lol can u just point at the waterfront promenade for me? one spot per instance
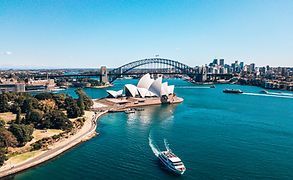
(85, 133)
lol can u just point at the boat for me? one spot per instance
(129, 111)
(264, 92)
(213, 86)
(138, 109)
(172, 162)
(233, 91)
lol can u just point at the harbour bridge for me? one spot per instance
(143, 66)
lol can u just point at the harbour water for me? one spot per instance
(217, 135)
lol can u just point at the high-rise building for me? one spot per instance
(215, 62)
(252, 67)
(262, 71)
(241, 65)
(222, 62)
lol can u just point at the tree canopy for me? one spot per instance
(7, 139)
(56, 120)
(23, 133)
(4, 106)
(84, 99)
(73, 111)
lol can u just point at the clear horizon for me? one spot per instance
(88, 34)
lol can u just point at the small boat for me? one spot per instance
(213, 86)
(129, 111)
(138, 109)
(233, 91)
(172, 162)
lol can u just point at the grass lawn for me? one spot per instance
(22, 157)
(39, 134)
(8, 116)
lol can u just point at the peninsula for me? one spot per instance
(37, 128)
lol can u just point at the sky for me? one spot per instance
(91, 33)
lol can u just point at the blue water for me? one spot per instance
(217, 135)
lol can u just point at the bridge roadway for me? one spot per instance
(122, 74)
(160, 65)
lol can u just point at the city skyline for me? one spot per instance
(50, 34)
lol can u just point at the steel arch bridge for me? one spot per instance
(178, 66)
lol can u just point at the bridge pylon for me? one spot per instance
(104, 75)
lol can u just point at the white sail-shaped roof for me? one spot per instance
(156, 87)
(164, 89)
(142, 92)
(171, 89)
(150, 94)
(130, 90)
(145, 81)
(115, 94)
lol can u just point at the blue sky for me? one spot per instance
(91, 33)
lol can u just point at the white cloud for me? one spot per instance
(6, 53)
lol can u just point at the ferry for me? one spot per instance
(172, 162)
(233, 91)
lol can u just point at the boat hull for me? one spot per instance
(169, 167)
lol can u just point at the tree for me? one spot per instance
(87, 101)
(28, 104)
(12, 96)
(44, 96)
(18, 118)
(60, 100)
(23, 133)
(47, 105)
(3, 157)
(7, 139)
(73, 111)
(2, 123)
(57, 120)
(80, 104)
(34, 116)
(4, 106)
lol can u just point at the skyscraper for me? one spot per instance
(241, 65)
(251, 67)
(215, 62)
(222, 62)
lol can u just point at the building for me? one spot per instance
(146, 87)
(222, 62)
(241, 65)
(30, 85)
(40, 85)
(252, 67)
(114, 94)
(16, 87)
(215, 62)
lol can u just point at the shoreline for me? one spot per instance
(84, 134)
(55, 151)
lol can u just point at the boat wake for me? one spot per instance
(167, 145)
(153, 146)
(270, 95)
(192, 87)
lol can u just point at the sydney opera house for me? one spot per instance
(146, 88)
(147, 92)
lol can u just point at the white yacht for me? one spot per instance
(172, 162)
